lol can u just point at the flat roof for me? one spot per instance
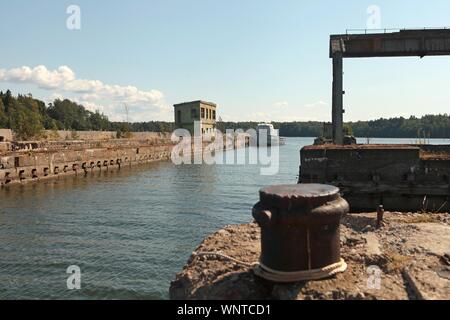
(196, 101)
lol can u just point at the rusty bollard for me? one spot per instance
(380, 214)
(300, 238)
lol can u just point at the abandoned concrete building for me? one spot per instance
(187, 113)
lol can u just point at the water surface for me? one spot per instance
(129, 231)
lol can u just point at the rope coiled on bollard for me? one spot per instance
(304, 275)
(282, 276)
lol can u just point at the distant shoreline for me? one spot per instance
(372, 138)
(28, 117)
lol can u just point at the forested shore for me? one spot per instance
(28, 116)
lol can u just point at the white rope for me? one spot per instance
(304, 275)
(265, 272)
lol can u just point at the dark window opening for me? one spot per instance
(7, 178)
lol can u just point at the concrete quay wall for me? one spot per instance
(401, 178)
(34, 166)
(39, 160)
(51, 135)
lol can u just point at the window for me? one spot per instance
(194, 114)
(214, 114)
(203, 113)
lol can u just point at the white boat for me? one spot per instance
(270, 132)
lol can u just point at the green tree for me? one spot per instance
(98, 122)
(348, 130)
(4, 121)
(26, 124)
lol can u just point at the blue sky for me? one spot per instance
(258, 60)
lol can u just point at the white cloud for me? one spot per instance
(262, 117)
(316, 104)
(53, 97)
(39, 75)
(281, 104)
(93, 94)
(279, 117)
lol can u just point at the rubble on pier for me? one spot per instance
(411, 250)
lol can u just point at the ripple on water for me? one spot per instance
(129, 231)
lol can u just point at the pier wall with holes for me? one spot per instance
(401, 178)
(23, 167)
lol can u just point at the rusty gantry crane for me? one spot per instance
(404, 43)
(399, 177)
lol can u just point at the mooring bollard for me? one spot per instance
(380, 214)
(300, 238)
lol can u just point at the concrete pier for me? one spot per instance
(399, 177)
(23, 167)
(412, 243)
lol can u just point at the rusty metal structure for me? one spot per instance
(300, 238)
(404, 43)
(398, 177)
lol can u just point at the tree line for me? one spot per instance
(428, 126)
(28, 117)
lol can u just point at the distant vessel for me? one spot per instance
(272, 136)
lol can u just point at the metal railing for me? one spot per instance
(390, 30)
